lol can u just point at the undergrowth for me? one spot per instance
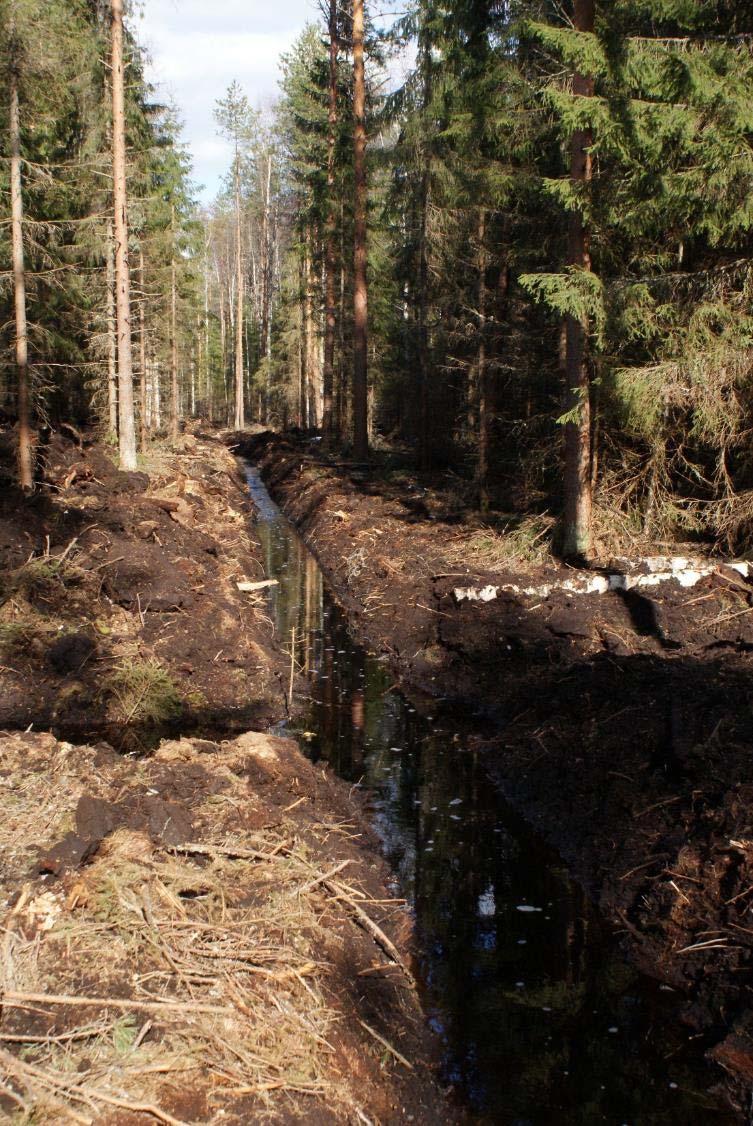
(527, 541)
(143, 692)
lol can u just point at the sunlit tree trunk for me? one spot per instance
(127, 428)
(207, 368)
(239, 418)
(266, 283)
(360, 281)
(174, 393)
(576, 537)
(312, 352)
(112, 337)
(330, 260)
(25, 470)
(144, 420)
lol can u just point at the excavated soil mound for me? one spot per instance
(201, 936)
(120, 613)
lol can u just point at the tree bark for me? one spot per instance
(330, 258)
(112, 338)
(174, 394)
(25, 470)
(425, 454)
(482, 468)
(240, 417)
(360, 279)
(127, 428)
(576, 530)
(144, 421)
(312, 356)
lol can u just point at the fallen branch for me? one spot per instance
(321, 879)
(368, 924)
(15, 999)
(217, 851)
(387, 1045)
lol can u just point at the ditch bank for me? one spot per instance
(200, 935)
(121, 615)
(619, 722)
(197, 926)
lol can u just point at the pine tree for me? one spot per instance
(360, 252)
(236, 121)
(126, 419)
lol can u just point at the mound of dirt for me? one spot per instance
(202, 934)
(120, 613)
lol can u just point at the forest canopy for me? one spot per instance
(527, 261)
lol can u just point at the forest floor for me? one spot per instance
(192, 928)
(620, 723)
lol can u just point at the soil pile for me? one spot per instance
(120, 612)
(621, 723)
(202, 933)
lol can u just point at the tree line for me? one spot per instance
(512, 237)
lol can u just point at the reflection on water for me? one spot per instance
(541, 1019)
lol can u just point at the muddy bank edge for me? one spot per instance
(620, 723)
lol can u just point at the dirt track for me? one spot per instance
(621, 724)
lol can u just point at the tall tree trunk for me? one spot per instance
(423, 340)
(174, 394)
(576, 530)
(127, 427)
(144, 420)
(240, 418)
(112, 337)
(223, 342)
(360, 280)
(25, 470)
(312, 357)
(207, 385)
(330, 257)
(482, 468)
(266, 293)
(157, 396)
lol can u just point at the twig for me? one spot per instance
(63, 1038)
(682, 876)
(295, 804)
(639, 868)
(633, 930)
(735, 898)
(710, 944)
(215, 851)
(370, 927)
(321, 879)
(387, 1045)
(10, 997)
(27, 1072)
(658, 805)
(680, 893)
(728, 617)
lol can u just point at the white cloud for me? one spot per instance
(197, 49)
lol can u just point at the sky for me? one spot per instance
(197, 48)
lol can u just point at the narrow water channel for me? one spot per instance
(540, 1019)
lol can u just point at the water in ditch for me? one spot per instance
(540, 1019)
